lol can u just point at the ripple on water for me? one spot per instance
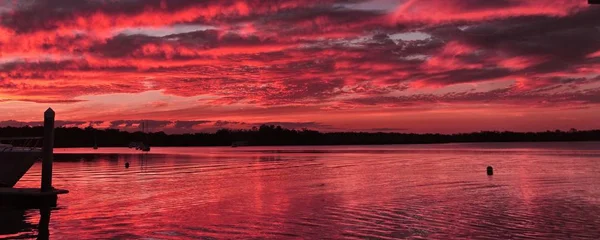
(350, 192)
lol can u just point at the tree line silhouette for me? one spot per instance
(269, 135)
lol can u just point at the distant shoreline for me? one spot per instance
(278, 136)
(337, 145)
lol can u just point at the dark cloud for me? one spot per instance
(122, 45)
(388, 129)
(563, 42)
(228, 123)
(301, 90)
(466, 75)
(49, 14)
(123, 123)
(188, 124)
(172, 127)
(295, 125)
(513, 95)
(37, 15)
(475, 5)
(58, 123)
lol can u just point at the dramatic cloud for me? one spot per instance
(335, 64)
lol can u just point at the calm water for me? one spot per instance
(539, 191)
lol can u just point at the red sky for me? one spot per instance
(381, 65)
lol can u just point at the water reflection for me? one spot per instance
(21, 223)
(182, 193)
(14, 222)
(43, 231)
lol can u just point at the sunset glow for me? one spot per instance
(331, 65)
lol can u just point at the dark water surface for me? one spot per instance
(539, 191)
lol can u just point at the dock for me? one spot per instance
(29, 197)
(46, 195)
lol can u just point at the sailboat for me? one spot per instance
(144, 146)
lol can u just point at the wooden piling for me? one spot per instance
(48, 150)
(34, 197)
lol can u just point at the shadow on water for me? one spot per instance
(16, 223)
(90, 157)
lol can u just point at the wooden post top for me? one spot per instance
(49, 113)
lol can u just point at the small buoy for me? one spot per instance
(126, 165)
(490, 170)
